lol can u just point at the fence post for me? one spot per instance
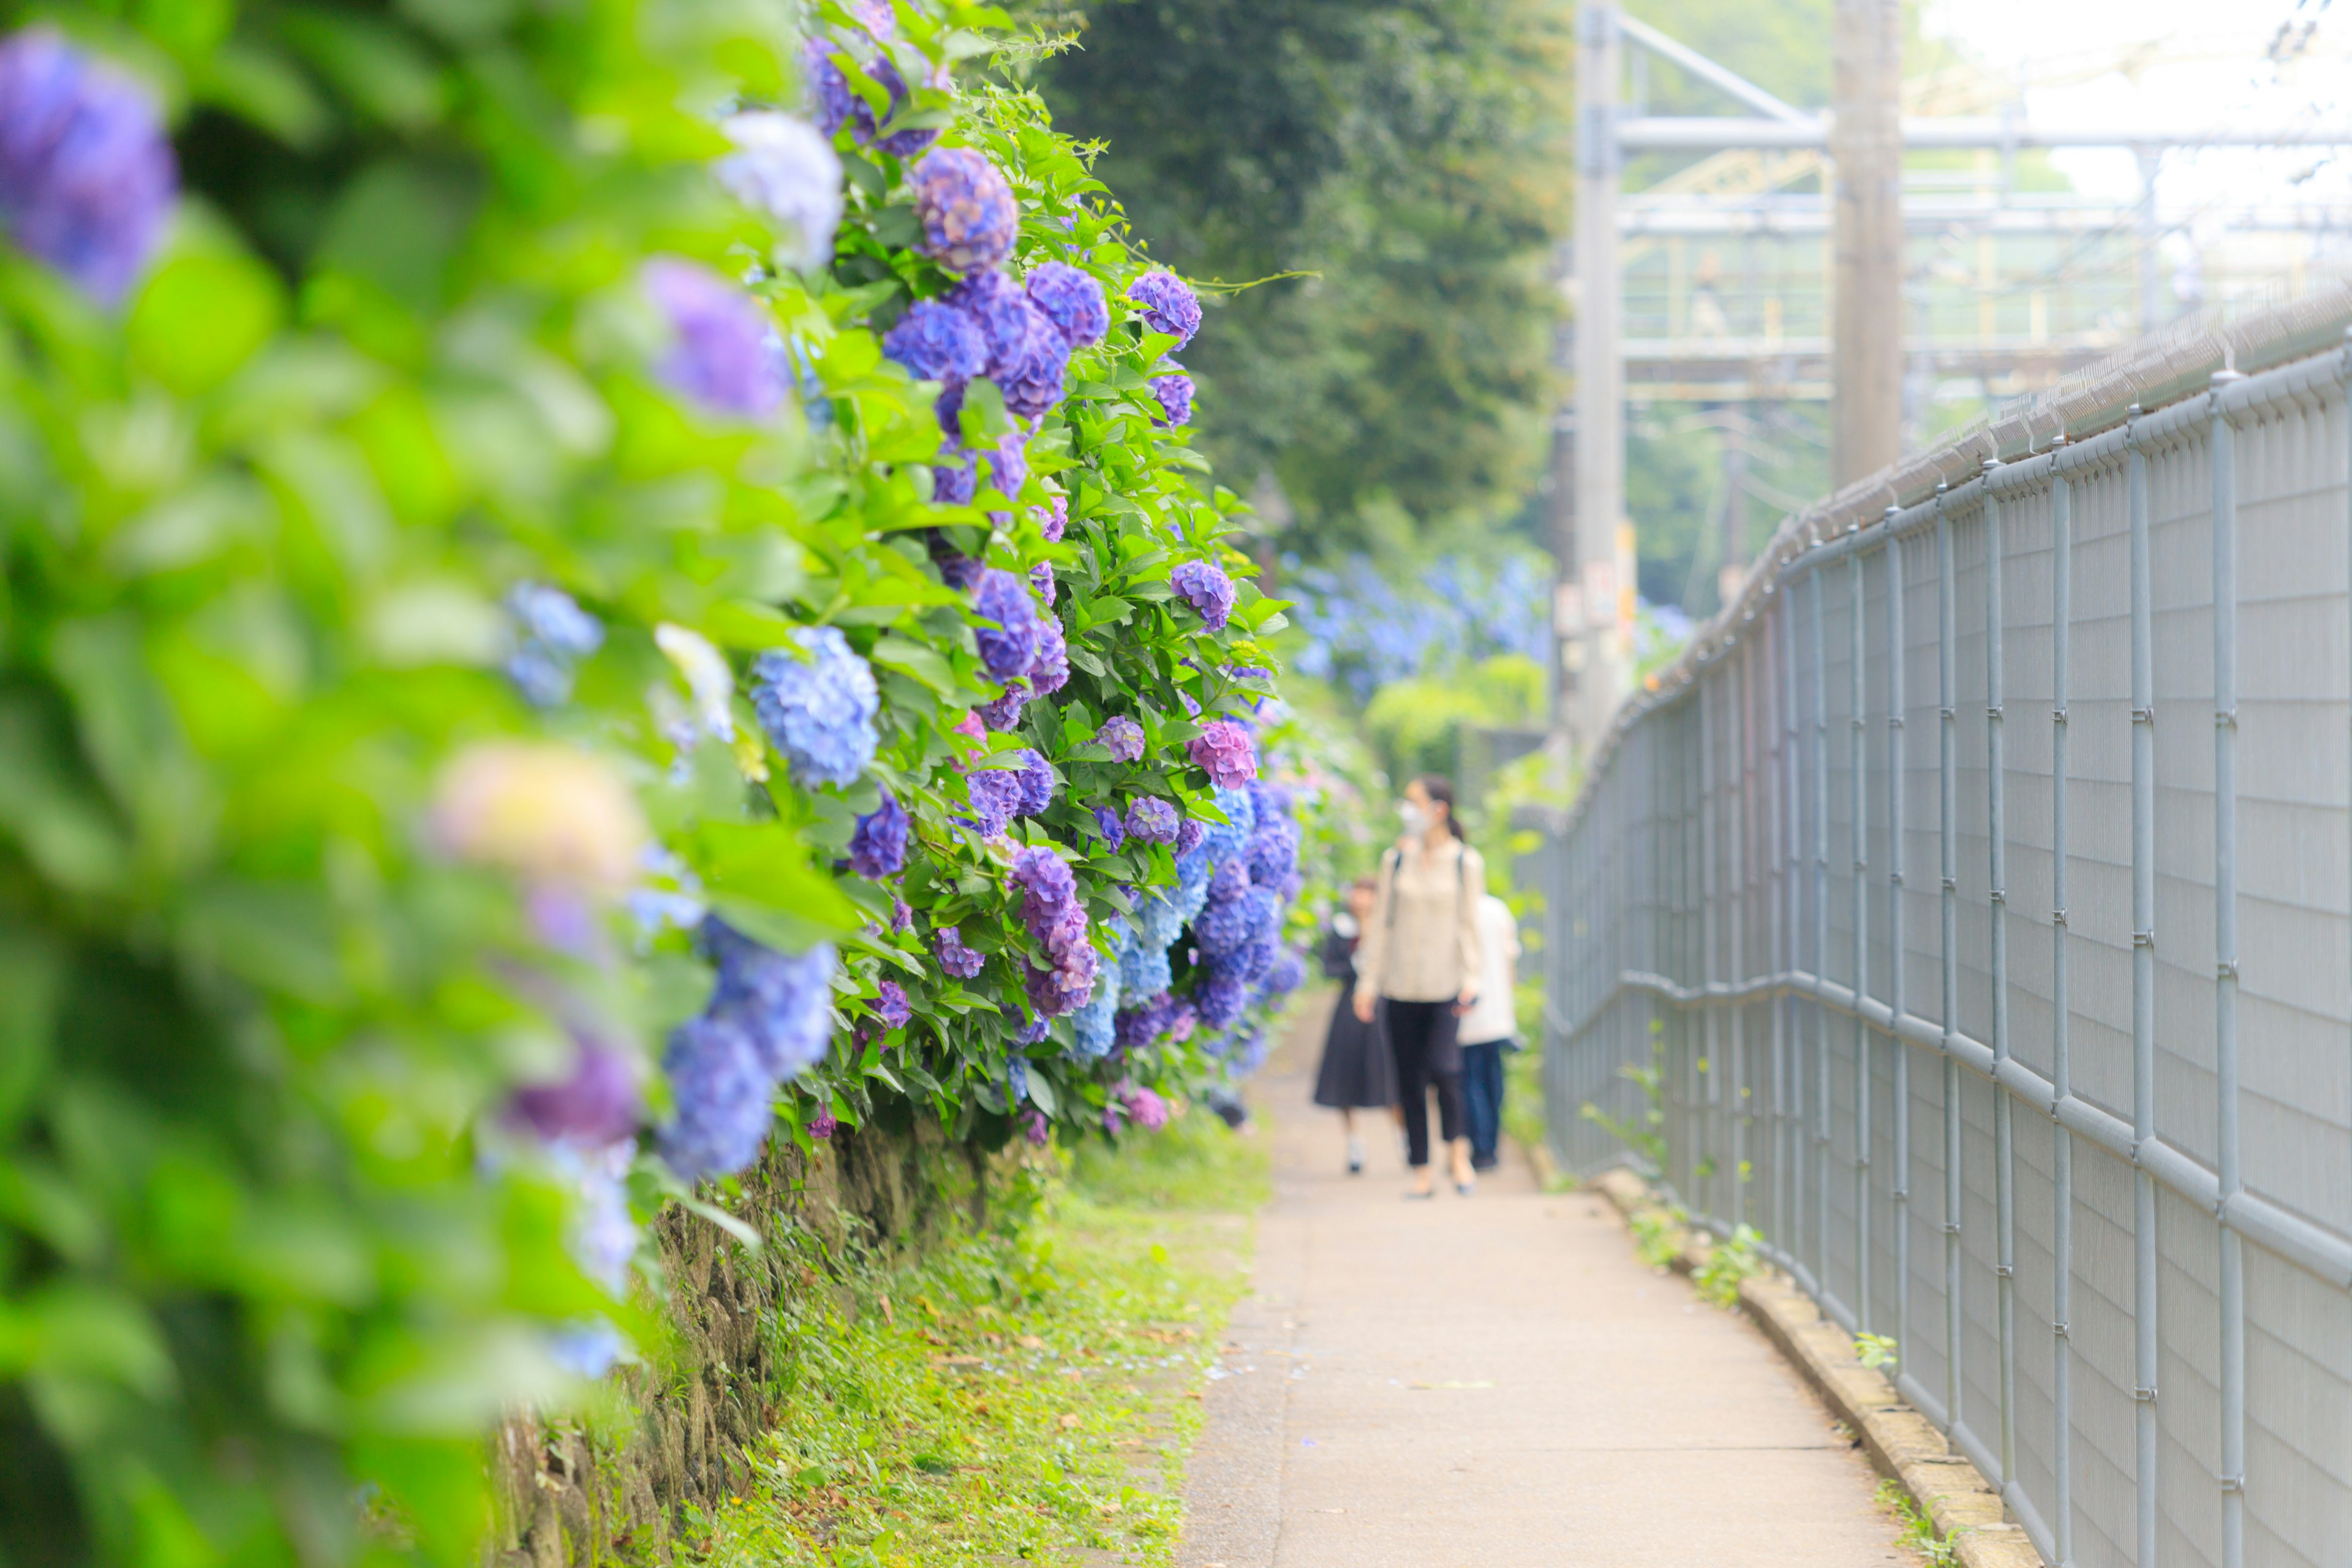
(2222, 459)
(1948, 615)
(1775, 879)
(1821, 1144)
(2061, 1236)
(2146, 1346)
(1706, 1086)
(1792, 847)
(2004, 1102)
(1896, 999)
(1858, 754)
(1735, 945)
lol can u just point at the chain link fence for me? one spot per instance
(1979, 889)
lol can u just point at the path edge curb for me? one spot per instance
(1903, 1445)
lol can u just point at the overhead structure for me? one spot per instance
(1867, 300)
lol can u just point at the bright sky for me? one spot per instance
(2210, 67)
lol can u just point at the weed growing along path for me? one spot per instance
(1028, 1394)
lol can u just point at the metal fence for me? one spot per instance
(1981, 887)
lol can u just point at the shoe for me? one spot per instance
(1412, 1196)
(1483, 1161)
(1465, 1188)
(1355, 1157)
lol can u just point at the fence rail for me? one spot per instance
(1980, 886)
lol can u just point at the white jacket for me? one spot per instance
(1495, 1016)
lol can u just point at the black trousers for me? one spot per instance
(1421, 1034)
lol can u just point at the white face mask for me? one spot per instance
(1414, 816)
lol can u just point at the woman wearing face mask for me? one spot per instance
(1419, 966)
(1357, 1072)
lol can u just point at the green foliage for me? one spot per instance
(1918, 1530)
(1658, 1233)
(262, 1248)
(1415, 723)
(1727, 1262)
(1416, 158)
(1647, 1138)
(1874, 1351)
(1019, 1395)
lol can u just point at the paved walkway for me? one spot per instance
(1495, 1381)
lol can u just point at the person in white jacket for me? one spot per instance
(1490, 1027)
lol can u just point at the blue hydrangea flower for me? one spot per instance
(1205, 587)
(86, 172)
(1168, 305)
(818, 710)
(1273, 850)
(937, 342)
(1028, 358)
(1009, 647)
(783, 1004)
(1152, 820)
(1223, 925)
(1092, 1026)
(787, 169)
(1221, 999)
(1192, 871)
(552, 634)
(955, 958)
(956, 481)
(1158, 921)
(1123, 737)
(722, 1097)
(1073, 301)
(877, 848)
(1289, 973)
(723, 351)
(588, 1349)
(1229, 840)
(1173, 391)
(966, 209)
(1106, 823)
(1016, 1080)
(1143, 970)
(1230, 880)
(1264, 914)
(1051, 672)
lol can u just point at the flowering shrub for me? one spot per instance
(527, 678)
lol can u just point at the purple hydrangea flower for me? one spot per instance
(1136, 1027)
(1289, 973)
(995, 795)
(1003, 712)
(967, 212)
(1174, 393)
(890, 1007)
(823, 1126)
(723, 350)
(902, 918)
(877, 848)
(595, 1103)
(818, 709)
(1152, 819)
(1027, 357)
(1189, 834)
(1063, 988)
(957, 570)
(836, 103)
(1009, 647)
(1273, 849)
(1042, 579)
(1221, 999)
(1073, 301)
(1229, 881)
(937, 342)
(1122, 737)
(722, 1097)
(955, 958)
(1008, 469)
(86, 172)
(1036, 1129)
(1036, 779)
(1223, 926)
(1168, 305)
(787, 169)
(1205, 587)
(1145, 1105)
(1047, 885)
(829, 95)
(1016, 1079)
(1055, 521)
(1225, 750)
(1108, 823)
(783, 1004)
(1051, 672)
(956, 481)
(1026, 1031)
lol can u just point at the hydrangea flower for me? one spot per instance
(86, 174)
(1000, 713)
(1026, 1031)
(1289, 972)
(1220, 1000)
(1152, 820)
(1065, 987)
(1229, 839)
(1168, 305)
(902, 918)
(723, 353)
(1106, 823)
(1122, 737)
(957, 570)
(1143, 970)
(955, 958)
(709, 679)
(721, 1100)
(937, 342)
(549, 813)
(1092, 1024)
(1189, 834)
(1156, 920)
(955, 482)
(836, 103)
(1051, 672)
(1173, 391)
(787, 169)
(966, 209)
(1223, 926)
(1056, 521)
(1036, 1129)
(1009, 647)
(1225, 750)
(1145, 1105)
(995, 794)
(823, 1126)
(1041, 581)
(877, 847)
(552, 634)
(597, 1102)
(890, 1007)
(1191, 884)
(1047, 885)
(1273, 849)
(1036, 778)
(783, 1004)
(819, 710)
(1138, 1026)
(1229, 881)
(1205, 585)
(1028, 358)
(1073, 301)
(1016, 1079)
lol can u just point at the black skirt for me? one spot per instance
(1358, 1070)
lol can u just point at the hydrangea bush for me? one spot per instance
(585, 590)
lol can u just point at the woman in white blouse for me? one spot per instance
(1419, 965)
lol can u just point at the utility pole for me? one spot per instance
(1592, 603)
(1731, 572)
(1866, 324)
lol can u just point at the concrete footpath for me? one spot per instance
(1456, 1384)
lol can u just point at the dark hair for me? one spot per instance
(1365, 884)
(1440, 788)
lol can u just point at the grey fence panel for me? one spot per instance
(1979, 888)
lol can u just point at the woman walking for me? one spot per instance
(1358, 1072)
(1419, 970)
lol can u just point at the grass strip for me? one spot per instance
(1028, 1394)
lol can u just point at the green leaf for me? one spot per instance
(1041, 1090)
(200, 316)
(924, 664)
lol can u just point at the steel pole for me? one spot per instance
(2004, 1104)
(1591, 654)
(1948, 616)
(2223, 459)
(1858, 754)
(2146, 1346)
(2061, 1227)
(1896, 999)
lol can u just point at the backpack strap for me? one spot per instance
(1392, 862)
